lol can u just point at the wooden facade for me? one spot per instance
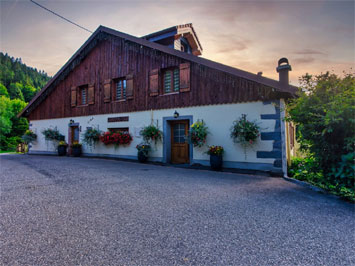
(111, 57)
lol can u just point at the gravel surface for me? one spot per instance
(82, 211)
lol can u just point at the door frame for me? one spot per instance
(167, 137)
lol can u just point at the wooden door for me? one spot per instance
(179, 143)
(74, 134)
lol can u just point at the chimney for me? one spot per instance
(283, 68)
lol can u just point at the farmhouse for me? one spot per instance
(120, 82)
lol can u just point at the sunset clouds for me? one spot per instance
(315, 36)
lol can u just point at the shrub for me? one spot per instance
(307, 169)
(151, 133)
(198, 133)
(343, 174)
(324, 115)
(215, 150)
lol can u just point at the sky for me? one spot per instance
(316, 36)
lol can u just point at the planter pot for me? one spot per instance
(142, 158)
(216, 162)
(76, 151)
(62, 150)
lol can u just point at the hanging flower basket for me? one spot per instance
(151, 133)
(244, 131)
(29, 137)
(91, 136)
(52, 134)
(198, 133)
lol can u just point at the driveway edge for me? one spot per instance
(313, 187)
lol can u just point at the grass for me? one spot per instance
(11, 152)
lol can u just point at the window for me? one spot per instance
(119, 129)
(179, 133)
(83, 95)
(120, 89)
(171, 80)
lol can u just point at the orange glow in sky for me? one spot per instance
(315, 36)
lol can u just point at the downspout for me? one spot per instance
(283, 69)
(283, 137)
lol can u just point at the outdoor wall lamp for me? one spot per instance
(176, 114)
(71, 121)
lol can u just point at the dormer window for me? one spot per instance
(180, 37)
(171, 80)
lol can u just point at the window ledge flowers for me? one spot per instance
(118, 138)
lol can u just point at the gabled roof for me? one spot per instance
(189, 57)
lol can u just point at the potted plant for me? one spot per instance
(76, 149)
(198, 133)
(151, 133)
(216, 157)
(62, 148)
(245, 132)
(143, 150)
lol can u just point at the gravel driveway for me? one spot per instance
(81, 211)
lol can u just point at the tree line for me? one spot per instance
(18, 85)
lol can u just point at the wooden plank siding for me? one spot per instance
(114, 57)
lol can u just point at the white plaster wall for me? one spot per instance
(218, 118)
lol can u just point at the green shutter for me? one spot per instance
(176, 79)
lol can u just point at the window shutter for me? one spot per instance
(107, 90)
(154, 82)
(73, 96)
(184, 77)
(129, 88)
(91, 94)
